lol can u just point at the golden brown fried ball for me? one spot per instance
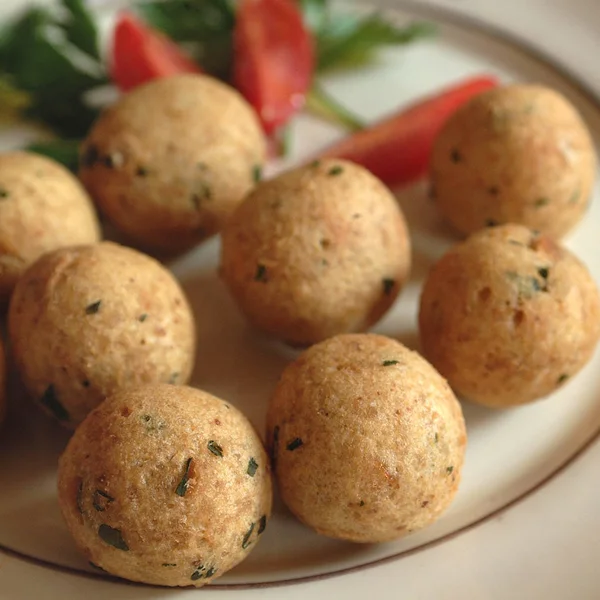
(166, 485)
(516, 154)
(171, 160)
(367, 439)
(508, 316)
(318, 251)
(42, 207)
(87, 321)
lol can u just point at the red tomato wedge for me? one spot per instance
(398, 148)
(273, 59)
(140, 54)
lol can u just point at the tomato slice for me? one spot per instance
(398, 149)
(140, 54)
(273, 59)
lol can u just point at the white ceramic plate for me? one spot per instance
(524, 524)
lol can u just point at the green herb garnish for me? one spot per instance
(169, 564)
(211, 571)
(449, 469)
(562, 378)
(3, 193)
(262, 525)
(256, 173)
(142, 317)
(261, 273)
(246, 541)
(141, 172)
(252, 467)
(93, 308)
(183, 485)
(388, 286)
(294, 444)
(173, 378)
(337, 170)
(541, 202)
(389, 363)
(52, 403)
(101, 500)
(436, 438)
(65, 152)
(215, 448)
(320, 103)
(198, 573)
(112, 537)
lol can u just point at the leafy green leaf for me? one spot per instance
(205, 27)
(315, 13)
(323, 105)
(65, 152)
(37, 64)
(80, 28)
(350, 42)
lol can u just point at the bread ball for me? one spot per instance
(516, 154)
(2, 383)
(171, 160)
(165, 485)
(315, 252)
(42, 207)
(508, 316)
(87, 321)
(367, 439)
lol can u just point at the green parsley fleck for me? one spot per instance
(113, 537)
(198, 573)
(215, 448)
(143, 317)
(211, 571)
(449, 469)
(183, 485)
(262, 524)
(173, 378)
(389, 363)
(562, 378)
(334, 171)
(543, 272)
(261, 273)
(575, 196)
(93, 308)
(101, 500)
(141, 172)
(246, 541)
(388, 286)
(52, 403)
(361, 503)
(169, 564)
(542, 202)
(315, 164)
(294, 444)
(3, 193)
(437, 437)
(252, 467)
(257, 173)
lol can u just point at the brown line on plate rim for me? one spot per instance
(447, 16)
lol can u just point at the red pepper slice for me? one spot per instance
(398, 148)
(140, 54)
(273, 59)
